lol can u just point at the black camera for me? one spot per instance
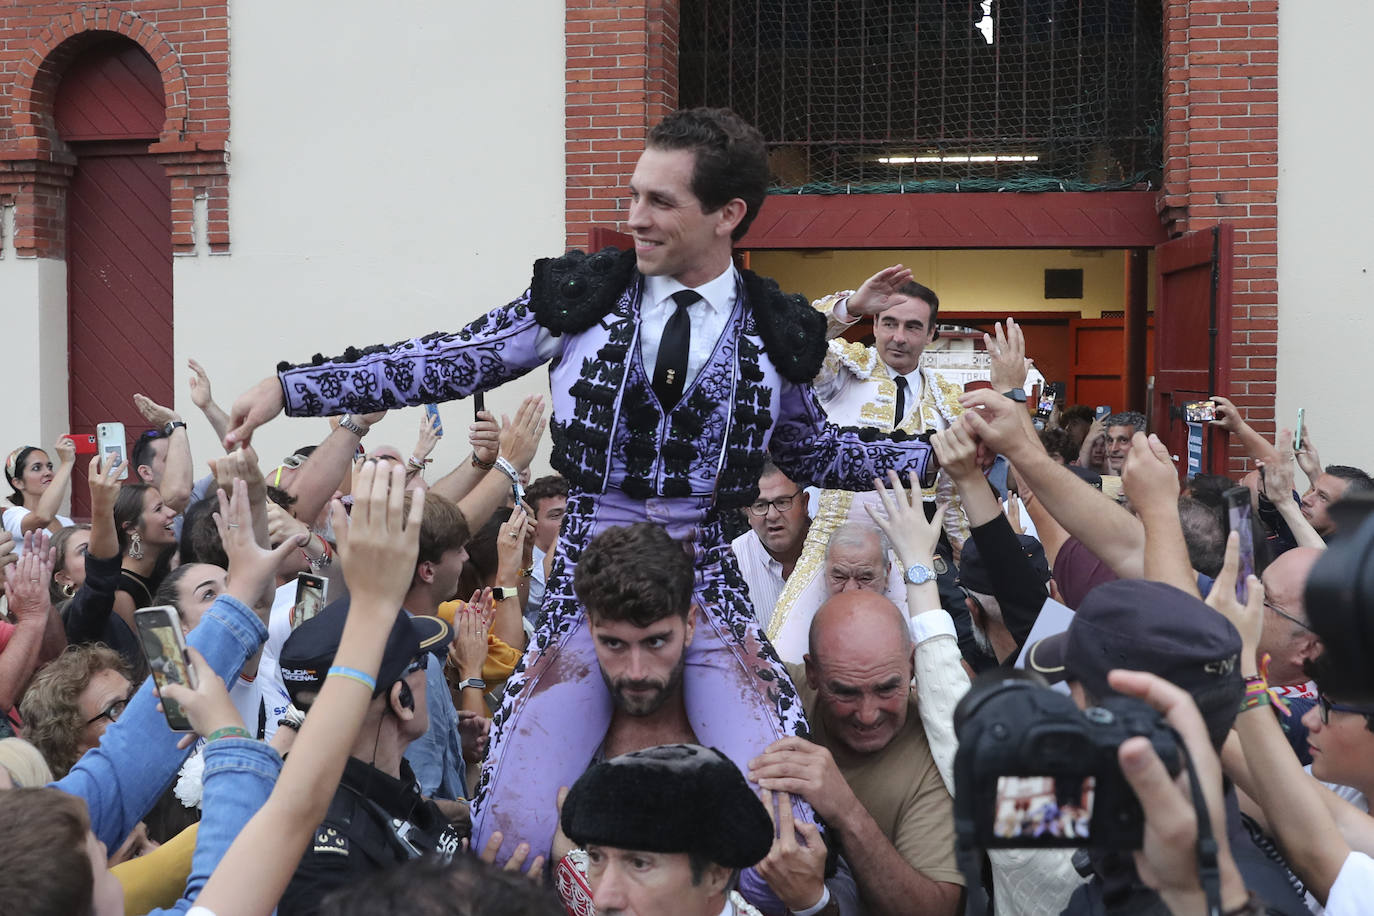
(1033, 769)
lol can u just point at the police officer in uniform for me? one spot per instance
(378, 817)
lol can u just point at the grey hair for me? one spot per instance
(1127, 418)
(858, 534)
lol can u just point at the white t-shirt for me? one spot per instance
(1353, 892)
(14, 521)
(268, 682)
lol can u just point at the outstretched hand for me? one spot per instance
(382, 539)
(252, 568)
(879, 292)
(253, 408)
(26, 582)
(1007, 356)
(1247, 618)
(520, 437)
(1149, 476)
(207, 706)
(904, 521)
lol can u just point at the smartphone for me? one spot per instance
(1200, 411)
(110, 441)
(1297, 430)
(310, 592)
(1238, 520)
(1057, 390)
(479, 404)
(84, 442)
(1102, 412)
(1045, 406)
(432, 412)
(159, 632)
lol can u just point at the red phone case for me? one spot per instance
(85, 443)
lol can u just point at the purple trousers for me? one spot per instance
(557, 708)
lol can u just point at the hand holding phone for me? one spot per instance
(1102, 412)
(1238, 509)
(164, 645)
(432, 411)
(310, 592)
(207, 705)
(111, 443)
(479, 404)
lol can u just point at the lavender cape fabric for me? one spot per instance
(627, 462)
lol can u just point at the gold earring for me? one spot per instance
(69, 589)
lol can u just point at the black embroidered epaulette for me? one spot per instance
(793, 333)
(329, 841)
(574, 292)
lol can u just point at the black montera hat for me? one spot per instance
(673, 798)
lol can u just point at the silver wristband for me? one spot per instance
(357, 429)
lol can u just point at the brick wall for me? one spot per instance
(187, 40)
(1221, 164)
(621, 79)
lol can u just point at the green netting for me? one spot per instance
(862, 96)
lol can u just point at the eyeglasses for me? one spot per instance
(1289, 617)
(291, 462)
(113, 711)
(1327, 706)
(782, 504)
(419, 663)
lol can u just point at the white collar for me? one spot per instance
(718, 293)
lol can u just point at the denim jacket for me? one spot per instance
(137, 758)
(437, 755)
(239, 775)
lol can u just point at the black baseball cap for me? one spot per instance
(1149, 626)
(309, 651)
(975, 576)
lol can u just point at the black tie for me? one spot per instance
(670, 370)
(901, 402)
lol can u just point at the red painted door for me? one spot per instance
(119, 288)
(1192, 336)
(1097, 376)
(109, 107)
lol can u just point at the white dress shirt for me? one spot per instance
(762, 574)
(707, 317)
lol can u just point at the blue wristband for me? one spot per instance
(353, 674)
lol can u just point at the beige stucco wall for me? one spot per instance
(1326, 226)
(393, 172)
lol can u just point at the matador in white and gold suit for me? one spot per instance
(857, 388)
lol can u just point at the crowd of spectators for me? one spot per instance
(336, 746)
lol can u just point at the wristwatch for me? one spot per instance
(172, 427)
(357, 429)
(919, 574)
(473, 682)
(1016, 394)
(502, 592)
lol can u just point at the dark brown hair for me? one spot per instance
(636, 574)
(731, 158)
(43, 841)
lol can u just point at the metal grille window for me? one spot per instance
(888, 95)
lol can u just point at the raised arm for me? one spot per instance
(1110, 531)
(1151, 483)
(137, 758)
(199, 383)
(176, 482)
(315, 482)
(45, 510)
(378, 556)
(811, 450)
(26, 585)
(1277, 476)
(519, 440)
(1228, 418)
(485, 437)
(1293, 806)
(89, 610)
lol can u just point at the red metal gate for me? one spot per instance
(1193, 336)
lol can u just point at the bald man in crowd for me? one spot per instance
(867, 769)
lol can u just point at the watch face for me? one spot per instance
(917, 574)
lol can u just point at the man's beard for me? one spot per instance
(646, 704)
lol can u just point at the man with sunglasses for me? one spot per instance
(378, 818)
(769, 550)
